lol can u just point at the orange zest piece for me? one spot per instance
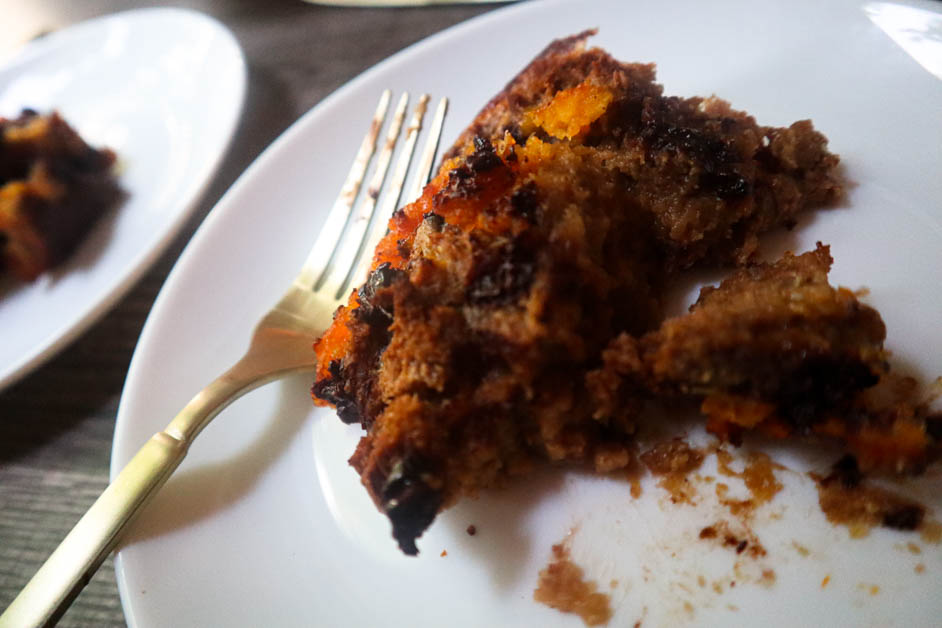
(571, 111)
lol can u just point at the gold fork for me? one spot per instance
(281, 345)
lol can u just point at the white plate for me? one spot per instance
(266, 525)
(163, 88)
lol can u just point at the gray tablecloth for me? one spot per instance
(56, 424)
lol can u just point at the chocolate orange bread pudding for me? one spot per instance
(512, 316)
(53, 187)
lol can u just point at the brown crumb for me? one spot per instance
(673, 460)
(801, 549)
(913, 548)
(931, 532)
(872, 589)
(613, 584)
(673, 456)
(472, 530)
(825, 581)
(768, 578)
(741, 542)
(688, 607)
(444, 553)
(562, 586)
(920, 568)
(732, 607)
(701, 581)
(718, 587)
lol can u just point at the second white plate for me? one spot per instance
(164, 89)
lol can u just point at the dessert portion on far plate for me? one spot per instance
(53, 188)
(513, 313)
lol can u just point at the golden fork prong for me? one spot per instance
(348, 250)
(316, 264)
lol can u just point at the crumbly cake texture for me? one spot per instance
(552, 229)
(775, 348)
(53, 188)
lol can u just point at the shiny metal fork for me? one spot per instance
(281, 345)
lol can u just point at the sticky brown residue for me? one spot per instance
(723, 460)
(740, 508)
(744, 542)
(472, 530)
(562, 586)
(768, 578)
(847, 500)
(760, 478)
(758, 475)
(931, 531)
(633, 473)
(825, 582)
(673, 460)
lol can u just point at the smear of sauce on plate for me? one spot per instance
(674, 460)
(562, 585)
(759, 477)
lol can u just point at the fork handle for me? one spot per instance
(73, 563)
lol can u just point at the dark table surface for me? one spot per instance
(56, 424)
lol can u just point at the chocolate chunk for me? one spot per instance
(434, 221)
(409, 502)
(904, 517)
(501, 274)
(484, 157)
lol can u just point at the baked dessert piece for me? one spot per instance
(563, 210)
(775, 348)
(53, 187)
(709, 177)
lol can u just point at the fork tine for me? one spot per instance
(424, 173)
(356, 271)
(350, 244)
(421, 177)
(313, 271)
